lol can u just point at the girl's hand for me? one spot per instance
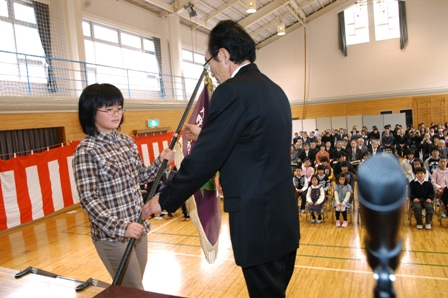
(134, 230)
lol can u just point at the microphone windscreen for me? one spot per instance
(381, 183)
(382, 193)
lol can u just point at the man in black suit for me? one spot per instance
(247, 139)
(375, 149)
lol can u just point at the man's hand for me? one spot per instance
(167, 154)
(428, 201)
(151, 207)
(134, 230)
(192, 131)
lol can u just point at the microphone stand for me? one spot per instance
(152, 192)
(383, 273)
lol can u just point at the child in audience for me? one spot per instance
(440, 176)
(300, 186)
(307, 170)
(416, 163)
(342, 193)
(315, 197)
(406, 164)
(321, 154)
(328, 170)
(432, 162)
(421, 195)
(349, 176)
(439, 180)
(322, 178)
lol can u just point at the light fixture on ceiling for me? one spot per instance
(251, 6)
(281, 29)
(190, 10)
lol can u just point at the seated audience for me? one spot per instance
(300, 186)
(421, 195)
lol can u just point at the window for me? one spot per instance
(385, 20)
(192, 64)
(115, 55)
(19, 33)
(357, 24)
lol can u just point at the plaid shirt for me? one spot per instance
(108, 172)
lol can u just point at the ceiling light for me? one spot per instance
(251, 6)
(281, 29)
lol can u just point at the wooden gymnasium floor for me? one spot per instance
(330, 262)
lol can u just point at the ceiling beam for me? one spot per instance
(296, 14)
(161, 4)
(299, 25)
(179, 5)
(196, 21)
(261, 13)
(217, 12)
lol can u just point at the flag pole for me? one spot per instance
(152, 192)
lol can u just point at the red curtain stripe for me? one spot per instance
(37, 185)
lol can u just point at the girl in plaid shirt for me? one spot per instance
(108, 172)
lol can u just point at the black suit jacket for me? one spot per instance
(247, 138)
(358, 155)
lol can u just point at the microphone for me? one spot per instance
(382, 194)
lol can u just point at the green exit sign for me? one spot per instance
(153, 123)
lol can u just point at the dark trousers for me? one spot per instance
(270, 280)
(417, 208)
(184, 211)
(302, 196)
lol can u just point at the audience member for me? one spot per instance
(421, 195)
(387, 140)
(432, 162)
(342, 192)
(307, 170)
(321, 154)
(406, 164)
(375, 149)
(315, 197)
(439, 178)
(300, 185)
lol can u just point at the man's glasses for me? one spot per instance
(112, 112)
(207, 62)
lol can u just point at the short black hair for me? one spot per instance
(410, 151)
(345, 164)
(324, 158)
(342, 175)
(342, 153)
(94, 97)
(420, 170)
(231, 36)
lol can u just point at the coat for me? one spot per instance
(247, 139)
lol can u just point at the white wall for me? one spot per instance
(371, 70)
(195, 40)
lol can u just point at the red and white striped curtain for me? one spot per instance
(37, 185)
